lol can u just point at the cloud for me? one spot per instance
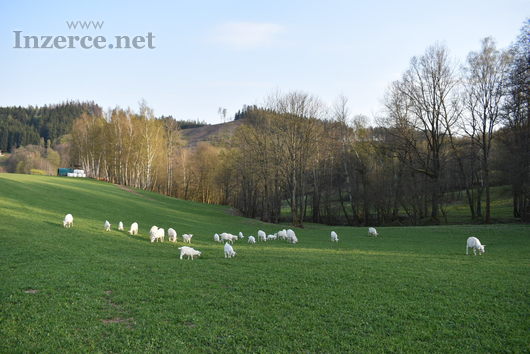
(244, 35)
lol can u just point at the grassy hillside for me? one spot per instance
(83, 289)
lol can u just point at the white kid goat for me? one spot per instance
(474, 243)
(187, 238)
(188, 251)
(372, 232)
(172, 235)
(68, 220)
(229, 251)
(134, 229)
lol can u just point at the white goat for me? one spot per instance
(152, 232)
(282, 234)
(134, 229)
(120, 226)
(474, 243)
(241, 235)
(68, 221)
(334, 237)
(251, 239)
(187, 238)
(271, 237)
(158, 235)
(291, 236)
(229, 251)
(188, 251)
(216, 238)
(372, 232)
(228, 237)
(172, 235)
(262, 236)
(107, 225)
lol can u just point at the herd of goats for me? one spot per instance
(157, 234)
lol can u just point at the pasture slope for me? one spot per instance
(84, 290)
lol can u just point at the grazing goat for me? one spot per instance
(68, 221)
(291, 236)
(158, 235)
(120, 226)
(188, 251)
(134, 229)
(474, 243)
(172, 235)
(187, 238)
(372, 232)
(153, 233)
(262, 236)
(334, 237)
(229, 251)
(241, 235)
(271, 237)
(216, 238)
(251, 239)
(107, 225)
(228, 237)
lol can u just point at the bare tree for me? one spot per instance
(515, 134)
(485, 76)
(423, 101)
(172, 130)
(222, 113)
(298, 132)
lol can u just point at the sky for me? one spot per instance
(211, 54)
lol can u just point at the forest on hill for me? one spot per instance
(444, 130)
(20, 126)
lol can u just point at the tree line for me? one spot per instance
(444, 129)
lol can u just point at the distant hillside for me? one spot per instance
(211, 133)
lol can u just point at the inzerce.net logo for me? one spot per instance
(24, 41)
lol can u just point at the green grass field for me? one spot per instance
(86, 290)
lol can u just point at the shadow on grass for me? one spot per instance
(55, 223)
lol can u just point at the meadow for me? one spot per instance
(82, 289)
